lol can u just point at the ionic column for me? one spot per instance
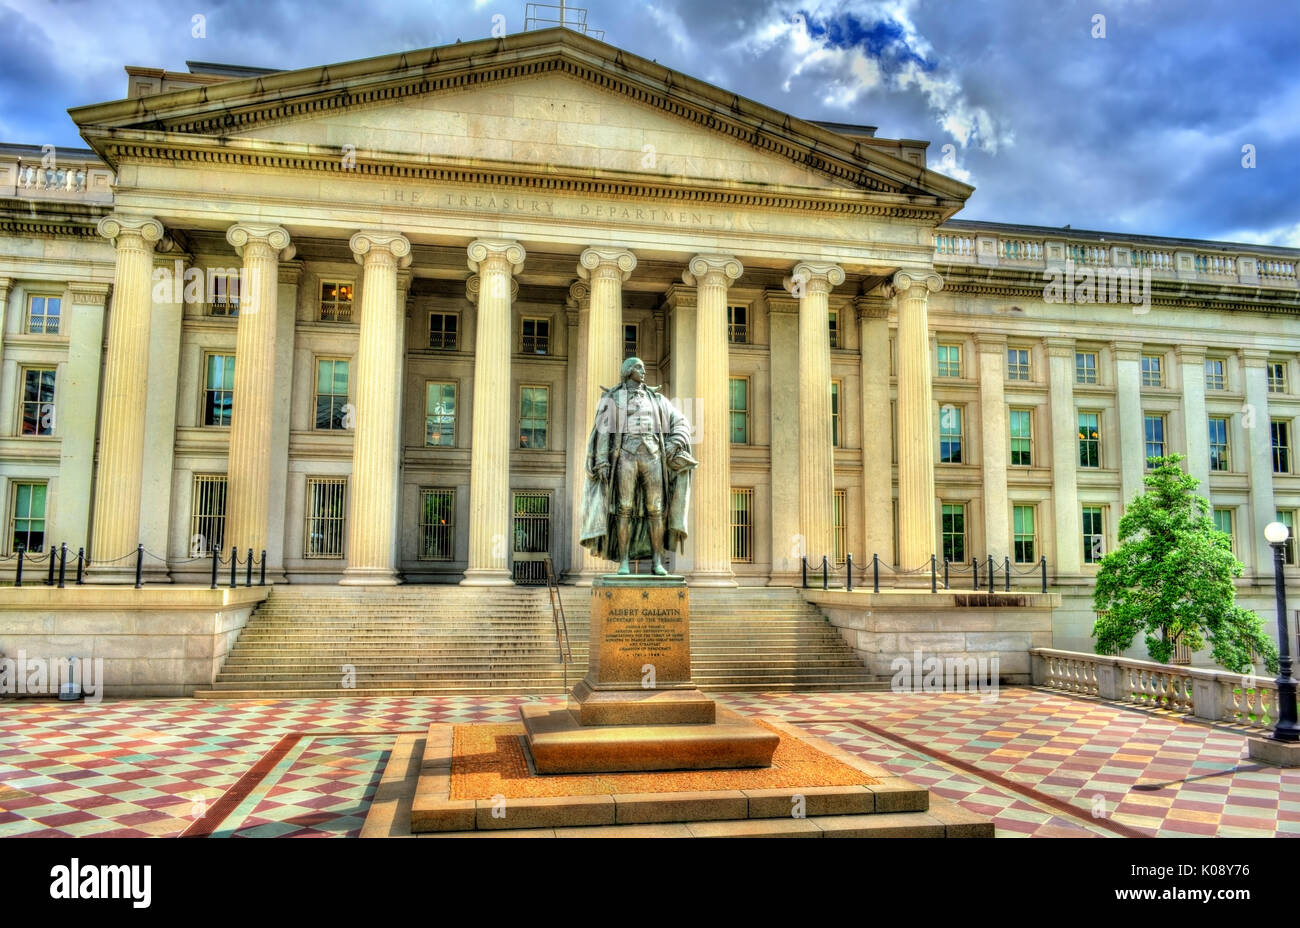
(877, 440)
(991, 351)
(126, 370)
(582, 566)
(1196, 424)
(75, 409)
(711, 275)
(1065, 457)
(1132, 434)
(916, 438)
(1259, 460)
(812, 283)
(495, 263)
(376, 437)
(248, 479)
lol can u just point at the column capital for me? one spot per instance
(712, 269)
(482, 250)
(921, 283)
(1191, 354)
(83, 293)
(1058, 347)
(990, 343)
(474, 286)
(1127, 351)
(374, 245)
(871, 306)
(816, 275)
(679, 296)
(116, 225)
(606, 262)
(276, 238)
(579, 295)
(780, 301)
(1254, 357)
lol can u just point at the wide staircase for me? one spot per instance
(452, 640)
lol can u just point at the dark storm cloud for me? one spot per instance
(1141, 130)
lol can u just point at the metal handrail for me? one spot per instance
(557, 616)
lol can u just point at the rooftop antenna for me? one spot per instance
(545, 15)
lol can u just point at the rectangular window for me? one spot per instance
(440, 415)
(1152, 375)
(949, 361)
(742, 525)
(218, 389)
(835, 413)
(1017, 364)
(335, 301)
(323, 533)
(835, 328)
(954, 532)
(1023, 525)
(1281, 446)
(739, 387)
(43, 315)
(1214, 374)
(1218, 444)
(207, 514)
(1089, 439)
(223, 294)
(443, 328)
(1094, 535)
(1287, 518)
(29, 517)
(1223, 522)
(331, 392)
(629, 341)
(950, 434)
(1085, 367)
(38, 401)
(537, 336)
(840, 540)
(1022, 437)
(738, 324)
(437, 524)
(1276, 376)
(534, 417)
(1155, 436)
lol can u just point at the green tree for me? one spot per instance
(1172, 576)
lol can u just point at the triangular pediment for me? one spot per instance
(551, 100)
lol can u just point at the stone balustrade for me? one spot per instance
(1243, 700)
(1022, 251)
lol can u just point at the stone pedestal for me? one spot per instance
(637, 708)
(1273, 753)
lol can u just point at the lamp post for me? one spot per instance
(1287, 728)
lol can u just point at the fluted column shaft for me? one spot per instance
(126, 374)
(991, 351)
(489, 479)
(812, 283)
(1259, 460)
(372, 521)
(711, 481)
(877, 437)
(916, 436)
(248, 476)
(1065, 457)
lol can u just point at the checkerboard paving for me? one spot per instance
(1039, 763)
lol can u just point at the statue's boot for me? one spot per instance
(624, 529)
(657, 544)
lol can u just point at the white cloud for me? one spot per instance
(1283, 236)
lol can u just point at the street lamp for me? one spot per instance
(1287, 728)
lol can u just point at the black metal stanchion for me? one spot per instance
(18, 578)
(946, 584)
(234, 562)
(875, 573)
(63, 565)
(825, 575)
(49, 580)
(81, 563)
(1006, 574)
(216, 558)
(803, 566)
(261, 580)
(248, 569)
(1042, 562)
(848, 563)
(139, 566)
(934, 576)
(992, 574)
(975, 573)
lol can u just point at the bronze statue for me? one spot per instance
(638, 474)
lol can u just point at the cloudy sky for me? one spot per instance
(1118, 115)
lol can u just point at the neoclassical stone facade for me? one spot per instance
(360, 315)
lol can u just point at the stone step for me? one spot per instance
(515, 689)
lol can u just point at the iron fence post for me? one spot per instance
(261, 580)
(992, 574)
(63, 565)
(803, 567)
(934, 576)
(848, 563)
(18, 578)
(875, 573)
(1042, 563)
(825, 574)
(1006, 574)
(216, 557)
(139, 566)
(248, 569)
(81, 558)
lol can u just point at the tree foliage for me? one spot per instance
(1172, 576)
